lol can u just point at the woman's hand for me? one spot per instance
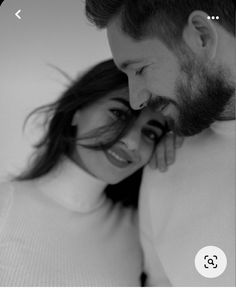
(165, 151)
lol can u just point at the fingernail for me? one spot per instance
(151, 166)
(170, 132)
(178, 145)
(171, 159)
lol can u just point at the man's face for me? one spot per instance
(197, 93)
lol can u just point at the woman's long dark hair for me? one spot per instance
(60, 136)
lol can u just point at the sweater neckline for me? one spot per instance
(72, 187)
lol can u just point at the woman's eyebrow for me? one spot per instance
(121, 100)
(157, 124)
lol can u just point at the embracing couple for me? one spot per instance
(83, 213)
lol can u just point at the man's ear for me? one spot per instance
(200, 35)
(75, 120)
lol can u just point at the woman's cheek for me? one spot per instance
(146, 152)
(103, 120)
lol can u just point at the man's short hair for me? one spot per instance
(163, 18)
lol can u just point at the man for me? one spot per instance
(179, 57)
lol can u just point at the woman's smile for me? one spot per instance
(114, 162)
(119, 157)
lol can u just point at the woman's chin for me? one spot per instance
(110, 178)
(105, 168)
(113, 176)
(115, 173)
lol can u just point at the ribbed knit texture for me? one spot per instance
(45, 241)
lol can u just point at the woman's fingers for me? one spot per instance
(165, 151)
(178, 141)
(170, 140)
(158, 158)
(153, 162)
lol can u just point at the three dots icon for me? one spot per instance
(213, 17)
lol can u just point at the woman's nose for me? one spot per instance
(132, 139)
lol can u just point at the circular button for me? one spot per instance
(210, 262)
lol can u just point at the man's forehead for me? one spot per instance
(127, 50)
(115, 25)
(120, 43)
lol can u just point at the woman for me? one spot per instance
(60, 225)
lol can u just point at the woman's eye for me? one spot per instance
(140, 71)
(151, 135)
(119, 114)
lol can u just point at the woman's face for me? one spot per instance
(131, 152)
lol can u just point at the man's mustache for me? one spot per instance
(160, 102)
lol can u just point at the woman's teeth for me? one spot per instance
(116, 156)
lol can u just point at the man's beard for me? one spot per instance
(202, 94)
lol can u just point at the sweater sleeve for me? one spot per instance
(6, 191)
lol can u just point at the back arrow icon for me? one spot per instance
(17, 14)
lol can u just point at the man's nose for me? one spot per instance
(138, 95)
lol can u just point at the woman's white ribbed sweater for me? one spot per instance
(59, 230)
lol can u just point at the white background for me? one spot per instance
(49, 32)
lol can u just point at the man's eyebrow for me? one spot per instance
(121, 100)
(157, 124)
(127, 63)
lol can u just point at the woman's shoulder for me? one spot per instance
(6, 188)
(9, 188)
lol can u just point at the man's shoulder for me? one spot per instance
(204, 164)
(6, 194)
